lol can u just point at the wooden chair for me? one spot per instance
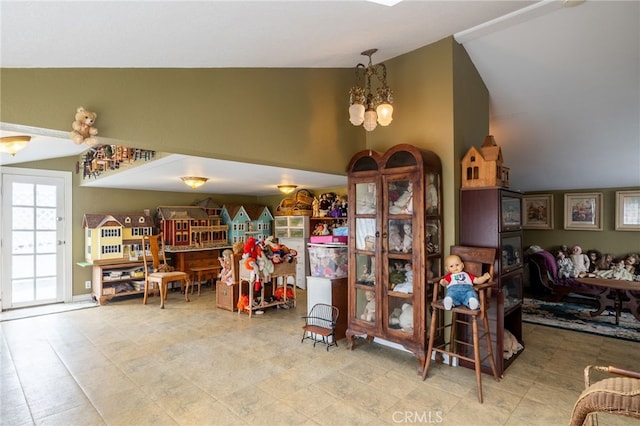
(615, 395)
(321, 321)
(155, 245)
(477, 261)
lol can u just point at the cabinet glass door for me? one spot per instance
(366, 202)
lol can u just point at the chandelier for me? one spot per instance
(287, 189)
(364, 107)
(13, 144)
(194, 181)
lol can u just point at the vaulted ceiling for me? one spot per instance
(564, 81)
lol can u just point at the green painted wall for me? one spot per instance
(442, 105)
(608, 240)
(281, 117)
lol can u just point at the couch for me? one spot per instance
(543, 268)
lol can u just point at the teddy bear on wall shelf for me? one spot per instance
(83, 130)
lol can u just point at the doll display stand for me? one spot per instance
(282, 272)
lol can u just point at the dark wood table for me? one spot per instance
(616, 291)
(196, 260)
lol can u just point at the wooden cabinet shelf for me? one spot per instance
(395, 245)
(116, 280)
(492, 217)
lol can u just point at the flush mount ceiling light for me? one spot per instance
(194, 181)
(364, 107)
(287, 189)
(13, 144)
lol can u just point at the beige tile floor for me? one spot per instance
(192, 364)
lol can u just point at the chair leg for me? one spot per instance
(453, 333)
(492, 361)
(163, 293)
(432, 333)
(476, 354)
(186, 292)
(146, 292)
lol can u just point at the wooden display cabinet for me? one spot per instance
(116, 279)
(492, 217)
(395, 245)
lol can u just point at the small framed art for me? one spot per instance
(583, 212)
(627, 210)
(538, 211)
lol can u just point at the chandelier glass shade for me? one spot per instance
(287, 189)
(194, 181)
(13, 144)
(365, 107)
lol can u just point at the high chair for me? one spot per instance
(477, 261)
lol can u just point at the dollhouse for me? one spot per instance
(246, 220)
(191, 227)
(114, 236)
(483, 167)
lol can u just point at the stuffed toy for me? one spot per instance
(402, 317)
(83, 130)
(580, 262)
(369, 313)
(510, 345)
(250, 255)
(459, 284)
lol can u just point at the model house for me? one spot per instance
(482, 167)
(247, 220)
(186, 227)
(114, 236)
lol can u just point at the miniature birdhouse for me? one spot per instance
(483, 167)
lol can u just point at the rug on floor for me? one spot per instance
(572, 315)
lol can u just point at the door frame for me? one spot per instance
(67, 214)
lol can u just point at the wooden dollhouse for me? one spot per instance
(246, 220)
(191, 227)
(114, 236)
(483, 167)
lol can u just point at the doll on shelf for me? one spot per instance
(404, 203)
(431, 195)
(459, 284)
(407, 285)
(407, 240)
(395, 239)
(369, 313)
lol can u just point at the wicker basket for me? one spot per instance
(304, 199)
(286, 207)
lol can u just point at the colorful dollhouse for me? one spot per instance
(114, 236)
(246, 220)
(483, 167)
(191, 227)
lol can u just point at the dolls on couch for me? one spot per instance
(565, 265)
(580, 262)
(459, 284)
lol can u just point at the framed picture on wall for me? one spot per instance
(627, 210)
(538, 211)
(583, 212)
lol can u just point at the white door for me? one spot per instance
(36, 259)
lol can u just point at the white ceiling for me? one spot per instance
(564, 81)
